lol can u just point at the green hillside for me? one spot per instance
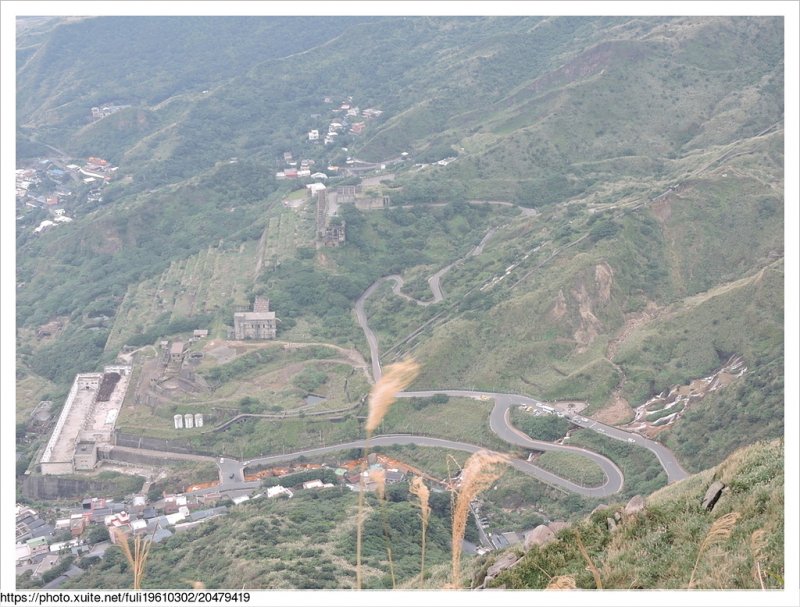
(658, 548)
(265, 544)
(601, 200)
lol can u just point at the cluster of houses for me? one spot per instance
(349, 475)
(34, 187)
(26, 179)
(304, 171)
(350, 113)
(102, 111)
(345, 119)
(37, 549)
(28, 182)
(94, 170)
(40, 544)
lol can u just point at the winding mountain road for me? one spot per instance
(499, 421)
(232, 470)
(500, 424)
(434, 282)
(612, 484)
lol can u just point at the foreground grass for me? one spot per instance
(659, 548)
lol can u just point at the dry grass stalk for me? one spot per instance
(719, 531)
(598, 582)
(138, 559)
(479, 472)
(360, 522)
(561, 582)
(378, 476)
(758, 541)
(382, 395)
(395, 379)
(420, 489)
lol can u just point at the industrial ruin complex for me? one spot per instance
(258, 324)
(87, 421)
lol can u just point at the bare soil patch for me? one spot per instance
(618, 411)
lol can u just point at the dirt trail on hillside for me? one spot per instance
(619, 411)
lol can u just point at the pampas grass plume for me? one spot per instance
(396, 378)
(479, 472)
(719, 531)
(420, 489)
(561, 582)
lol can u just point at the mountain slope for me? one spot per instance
(651, 148)
(659, 546)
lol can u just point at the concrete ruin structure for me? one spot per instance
(347, 193)
(258, 324)
(371, 204)
(87, 421)
(334, 234)
(176, 352)
(331, 232)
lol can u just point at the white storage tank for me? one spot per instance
(188, 420)
(178, 421)
(198, 420)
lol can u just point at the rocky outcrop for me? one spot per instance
(634, 506)
(506, 561)
(713, 494)
(540, 536)
(612, 524)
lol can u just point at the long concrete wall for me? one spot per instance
(57, 467)
(152, 458)
(62, 419)
(57, 487)
(135, 441)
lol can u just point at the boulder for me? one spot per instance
(612, 524)
(617, 516)
(634, 506)
(712, 495)
(540, 536)
(506, 561)
(599, 507)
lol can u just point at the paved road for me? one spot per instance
(499, 421)
(372, 340)
(232, 471)
(230, 466)
(501, 425)
(434, 282)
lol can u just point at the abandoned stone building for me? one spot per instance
(334, 234)
(85, 455)
(258, 324)
(331, 232)
(347, 193)
(176, 352)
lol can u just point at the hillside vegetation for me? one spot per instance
(658, 548)
(266, 544)
(634, 243)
